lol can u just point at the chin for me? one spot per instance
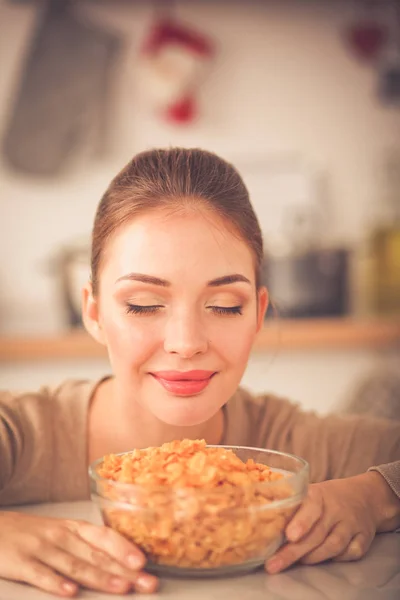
(184, 413)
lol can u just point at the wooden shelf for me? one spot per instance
(344, 333)
(277, 335)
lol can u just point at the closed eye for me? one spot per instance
(137, 309)
(226, 310)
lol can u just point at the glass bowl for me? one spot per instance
(197, 532)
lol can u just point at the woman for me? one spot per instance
(175, 296)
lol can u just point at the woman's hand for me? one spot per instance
(338, 520)
(60, 555)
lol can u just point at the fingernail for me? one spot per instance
(146, 583)
(69, 587)
(294, 533)
(118, 583)
(274, 565)
(135, 561)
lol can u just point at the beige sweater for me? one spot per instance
(43, 440)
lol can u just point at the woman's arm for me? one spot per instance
(338, 520)
(11, 438)
(60, 555)
(386, 500)
(347, 503)
(355, 470)
(26, 447)
(43, 444)
(390, 474)
(55, 555)
(335, 445)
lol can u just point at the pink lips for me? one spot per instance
(184, 383)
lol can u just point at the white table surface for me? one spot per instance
(375, 577)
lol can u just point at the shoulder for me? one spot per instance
(18, 402)
(21, 409)
(258, 403)
(267, 418)
(24, 413)
(73, 394)
(43, 442)
(335, 445)
(250, 417)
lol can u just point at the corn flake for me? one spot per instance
(195, 506)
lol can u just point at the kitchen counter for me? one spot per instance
(375, 577)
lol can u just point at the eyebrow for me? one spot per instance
(227, 279)
(150, 279)
(144, 279)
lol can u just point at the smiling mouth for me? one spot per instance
(187, 383)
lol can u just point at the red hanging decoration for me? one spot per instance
(175, 59)
(367, 39)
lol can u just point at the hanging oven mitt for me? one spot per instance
(62, 92)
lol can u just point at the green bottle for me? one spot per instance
(384, 245)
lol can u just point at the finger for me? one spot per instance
(293, 552)
(41, 576)
(111, 542)
(73, 544)
(141, 582)
(333, 545)
(146, 584)
(116, 546)
(307, 515)
(83, 573)
(356, 548)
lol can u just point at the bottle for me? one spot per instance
(384, 244)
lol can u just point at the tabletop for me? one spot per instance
(375, 577)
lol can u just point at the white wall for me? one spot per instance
(284, 84)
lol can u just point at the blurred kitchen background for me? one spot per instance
(303, 96)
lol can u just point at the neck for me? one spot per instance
(121, 430)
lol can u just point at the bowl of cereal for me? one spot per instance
(199, 510)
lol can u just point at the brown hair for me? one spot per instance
(169, 179)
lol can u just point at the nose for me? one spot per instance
(185, 335)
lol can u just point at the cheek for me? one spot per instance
(130, 341)
(239, 351)
(234, 341)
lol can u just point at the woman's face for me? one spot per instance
(178, 311)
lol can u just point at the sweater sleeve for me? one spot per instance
(335, 445)
(342, 446)
(391, 473)
(43, 444)
(25, 447)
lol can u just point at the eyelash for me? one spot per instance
(150, 310)
(227, 310)
(142, 310)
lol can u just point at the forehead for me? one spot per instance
(189, 243)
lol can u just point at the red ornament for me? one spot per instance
(367, 40)
(175, 58)
(183, 111)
